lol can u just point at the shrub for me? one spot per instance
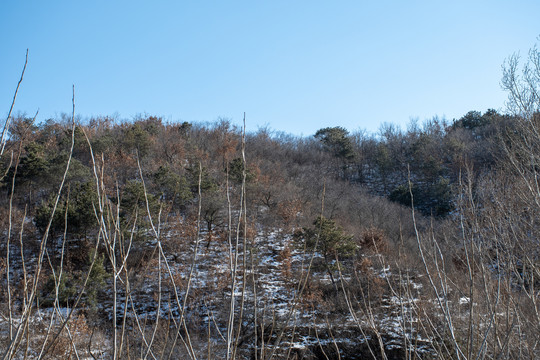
(374, 239)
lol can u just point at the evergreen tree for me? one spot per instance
(329, 239)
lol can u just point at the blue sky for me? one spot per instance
(292, 66)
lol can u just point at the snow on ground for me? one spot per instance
(271, 278)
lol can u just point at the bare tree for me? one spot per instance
(522, 82)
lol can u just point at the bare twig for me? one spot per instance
(7, 122)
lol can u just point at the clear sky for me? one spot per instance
(292, 66)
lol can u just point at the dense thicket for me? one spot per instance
(152, 170)
(284, 174)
